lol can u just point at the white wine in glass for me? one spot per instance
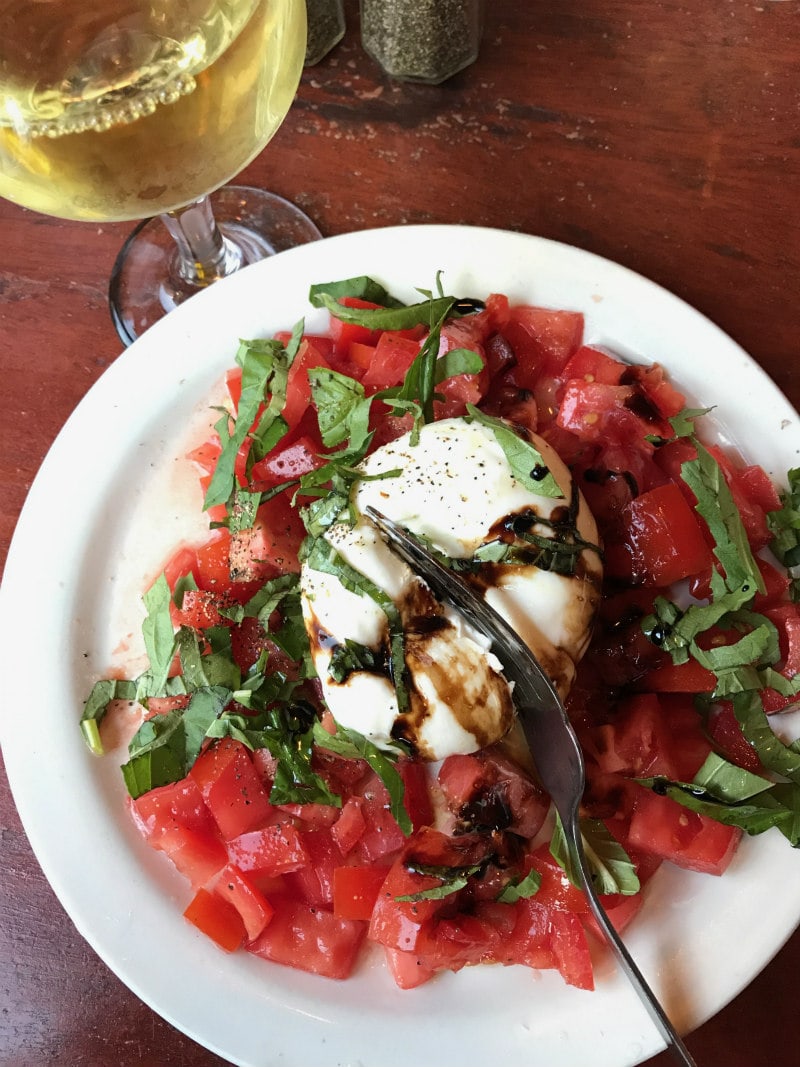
(126, 109)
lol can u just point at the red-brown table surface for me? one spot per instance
(662, 135)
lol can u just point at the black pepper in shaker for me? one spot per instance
(326, 28)
(422, 40)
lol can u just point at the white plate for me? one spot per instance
(98, 501)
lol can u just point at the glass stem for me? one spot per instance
(203, 254)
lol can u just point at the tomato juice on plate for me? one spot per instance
(302, 840)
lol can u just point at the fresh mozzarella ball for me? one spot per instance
(456, 488)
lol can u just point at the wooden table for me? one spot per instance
(662, 135)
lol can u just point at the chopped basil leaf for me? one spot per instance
(352, 656)
(727, 781)
(420, 380)
(353, 745)
(610, 866)
(457, 361)
(526, 462)
(165, 747)
(103, 692)
(159, 638)
(521, 890)
(716, 505)
(395, 318)
(453, 880)
(264, 366)
(362, 288)
(200, 668)
(784, 526)
(773, 753)
(342, 408)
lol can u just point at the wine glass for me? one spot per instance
(144, 109)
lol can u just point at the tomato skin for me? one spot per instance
(311, 939)
(254, 909)
(356, 889)
(298, 387)
(271, 851)
(543, 339)
(286, 462)
(392, 356)
(271, 545)
(231, 788)
(407, 968)
(727, 736)
(662, 826)
(178, 804)
(661, 540)
(689, 677)
(350, 826)
(199, 856)
(217, 919)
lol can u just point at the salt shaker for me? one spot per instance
(326, 26)
(422, 40)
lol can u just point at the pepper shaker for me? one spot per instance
(326, 26)
(422, 40)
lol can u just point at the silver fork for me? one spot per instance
(553, 744)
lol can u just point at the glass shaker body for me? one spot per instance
(326, 26)
(422, 40)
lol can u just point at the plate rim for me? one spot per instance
(183, 324)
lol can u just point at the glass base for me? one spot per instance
(149, 278)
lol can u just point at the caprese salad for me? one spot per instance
(330, 756)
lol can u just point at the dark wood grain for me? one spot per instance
(662, 135)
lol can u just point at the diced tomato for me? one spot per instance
(594, 365)
(217, 919)
(164, 808)
(556, 891)
(661, 540)
(311, 939)
(662, 826)
(382, 836)
(786, 618)
(286, 462)
(255, 910)
(314, 882)
(273, 850)
(609, 413)
(271, 546)
(726, 733)
(571, 949)
(164, 705)
(298, 387)
(233, 385)
(205, 455)
(198, 855)
(488, 791)
(416, 797)
(393, 355)
(346, 333)
(543, 339)
(213, 562)
(356, 889)
(652, 735)
(231, 787)
(349, 827)
(407, 968)
(689, 677)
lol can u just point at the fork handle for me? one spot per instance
(657, 1014)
